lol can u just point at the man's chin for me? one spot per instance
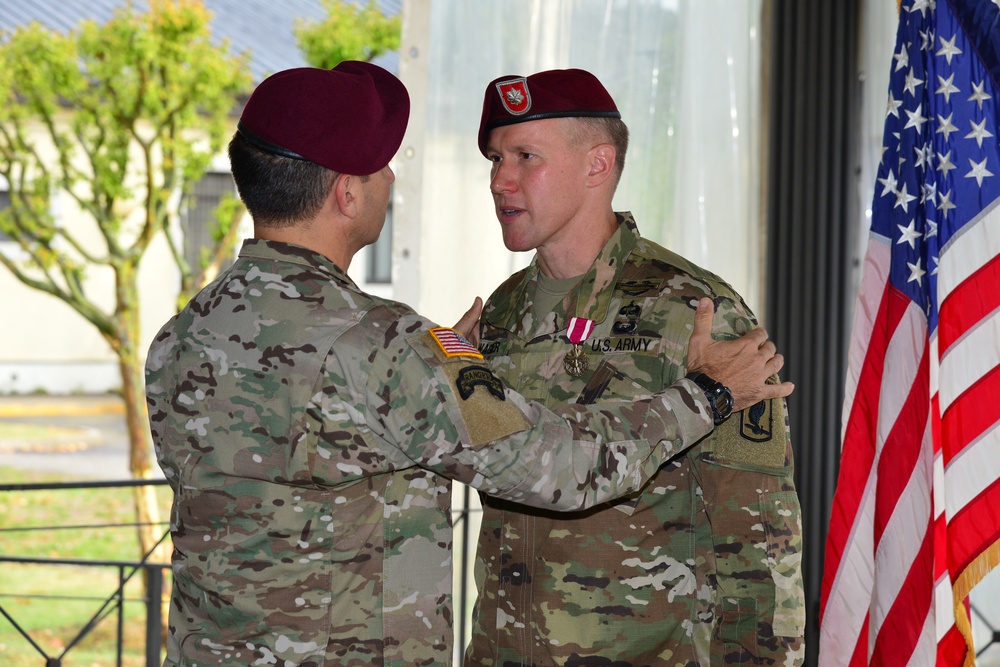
(516, 245)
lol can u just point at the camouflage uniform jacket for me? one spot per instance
(703, 565)
(308, 431)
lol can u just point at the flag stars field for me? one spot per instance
(978, 171)
(946, 88)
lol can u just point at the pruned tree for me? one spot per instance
(118, 120)
(350, 31)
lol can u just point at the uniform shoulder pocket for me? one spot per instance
(476, 398)
(752, 439)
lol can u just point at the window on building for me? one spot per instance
(379, 254)
(198, 215)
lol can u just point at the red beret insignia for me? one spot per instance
(514, 95)
(557, 93)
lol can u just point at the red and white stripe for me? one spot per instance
(454, 344)
(579, 329)
(920, 470)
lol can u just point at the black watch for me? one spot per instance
(720, 399)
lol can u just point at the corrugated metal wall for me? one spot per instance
(811, 226)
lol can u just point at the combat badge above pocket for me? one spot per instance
(639, 288)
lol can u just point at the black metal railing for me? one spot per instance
(112, 604)
(154, 574)
(994, 634)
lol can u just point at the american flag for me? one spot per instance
(454, 344)
(916, 515)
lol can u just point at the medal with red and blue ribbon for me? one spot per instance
(577, 332)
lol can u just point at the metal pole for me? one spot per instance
(154, 619)
(463, 585)
(121, 615)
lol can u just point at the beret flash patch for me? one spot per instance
(515, 96)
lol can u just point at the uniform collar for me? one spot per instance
(295, 254)
(590, 299)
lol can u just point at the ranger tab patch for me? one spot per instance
(471, 377)
(453, 344)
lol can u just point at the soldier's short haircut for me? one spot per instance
(604, 130)
(277, 191)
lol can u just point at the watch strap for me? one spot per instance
(720, 399)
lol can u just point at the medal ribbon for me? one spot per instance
(579, 329)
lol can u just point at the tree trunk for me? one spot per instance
(140, 458)
(147, 508)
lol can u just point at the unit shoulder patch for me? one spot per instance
(757, 422)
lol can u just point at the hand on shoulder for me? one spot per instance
(744, 365)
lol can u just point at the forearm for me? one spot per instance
(568, 459)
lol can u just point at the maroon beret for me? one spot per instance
(555, 93)
(350, 119)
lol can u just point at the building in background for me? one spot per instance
(47, 347)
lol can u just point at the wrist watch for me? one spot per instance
(720, 399)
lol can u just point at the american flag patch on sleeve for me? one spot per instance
(453, 344)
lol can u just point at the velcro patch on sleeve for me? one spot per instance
(482, 403)
(454, 344)
(755, 437)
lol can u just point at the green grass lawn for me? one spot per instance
(67, 596)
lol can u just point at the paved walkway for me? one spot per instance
(60, 406)
(79, 436)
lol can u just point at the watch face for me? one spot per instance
(724, 401)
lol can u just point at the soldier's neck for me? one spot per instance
(573, 254)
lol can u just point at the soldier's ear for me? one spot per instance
(601, 160)
(343, 192)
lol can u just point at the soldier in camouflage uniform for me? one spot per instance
(309, 430)
(700, 567)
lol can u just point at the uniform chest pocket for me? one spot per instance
(607, 382)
